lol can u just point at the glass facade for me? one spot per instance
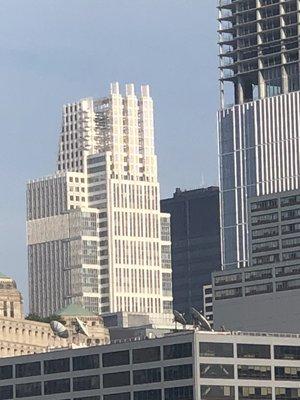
(196, 248)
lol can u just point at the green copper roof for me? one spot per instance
(75, 310)
(4, 276)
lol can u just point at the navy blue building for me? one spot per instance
(195, 235)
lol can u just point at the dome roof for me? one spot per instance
(6, 282)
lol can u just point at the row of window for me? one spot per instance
(255, 275)
(216, 392)
(262, 288)
(273, 217)
(92, 361)
(60, 386)
(257, 372)
(274, 244)
(110, 380)
(208, 392)
(244, 350)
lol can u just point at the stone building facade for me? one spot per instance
(19, 336)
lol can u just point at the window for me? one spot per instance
(179, 393)
(265, 232)
(93, 170)
(115, 358)
(287, 352)
(290, 201)
(265, 246)
(177, 372)
(117, 396)
(228, 293)
(95, 160)
(215, 392)
(258, 289)
(208, 290)
(6, 392)
(154, 394)
(86, 383)
(266, 259)
(213, 349)
(150, 375)
(254, 372)
(217, 371)
(291, 228)
(293, 242)
(89, 398)
(57, 386)
(258, 393)
(55, 366)
(257, 275)
(5, 372)
(290, 214)
(28, 389)
(287, 393)
(288, 270)
(85, 362)
(288, 285)
(228, 279)
(287, 373)
(148, 354)
(253, 351)
(264, 219)
(264, 205)
(291, 255)
(179, 350)
(28, 369)
(116, 379)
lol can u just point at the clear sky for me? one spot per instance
(54, 51)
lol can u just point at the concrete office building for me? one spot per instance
(96, 235)
(266, 295)
(196, 250)
(259, 135)
(191, 365)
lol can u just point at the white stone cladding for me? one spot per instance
(106, 166)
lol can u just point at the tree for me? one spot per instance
(47, 320)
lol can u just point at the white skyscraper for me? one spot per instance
(96, 235)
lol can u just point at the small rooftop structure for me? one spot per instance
(75, 310)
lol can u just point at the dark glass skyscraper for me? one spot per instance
(195, 235)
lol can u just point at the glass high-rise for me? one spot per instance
(259, 135)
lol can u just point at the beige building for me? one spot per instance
(96, 235)
(19, 336)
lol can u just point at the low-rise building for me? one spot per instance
(19, 336)
(265, 295)
(188, 365)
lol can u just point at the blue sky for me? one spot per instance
(55, 51)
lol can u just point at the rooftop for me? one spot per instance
(75, 310)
